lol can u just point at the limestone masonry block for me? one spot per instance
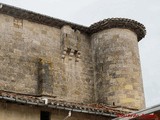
(70, 62)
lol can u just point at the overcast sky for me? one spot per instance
(86, 12)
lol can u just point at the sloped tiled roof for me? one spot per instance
(98, 109)
(133, 25)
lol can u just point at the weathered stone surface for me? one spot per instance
(71, 65)
(117, 68)
(20, 51)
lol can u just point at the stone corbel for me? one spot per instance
(64, 53)
(78, 54)
(71, 54)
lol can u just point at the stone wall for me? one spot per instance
(18, 112)
(70, 65)
(60, 115)
(21, 112)
(32, 62)
(117, 68)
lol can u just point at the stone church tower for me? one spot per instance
(61, 66)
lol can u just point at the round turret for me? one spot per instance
(118, 73)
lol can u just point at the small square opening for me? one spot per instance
(45, 115)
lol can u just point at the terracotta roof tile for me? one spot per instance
(94, 108)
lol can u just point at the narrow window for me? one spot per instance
(45, 115)
(113, 103)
